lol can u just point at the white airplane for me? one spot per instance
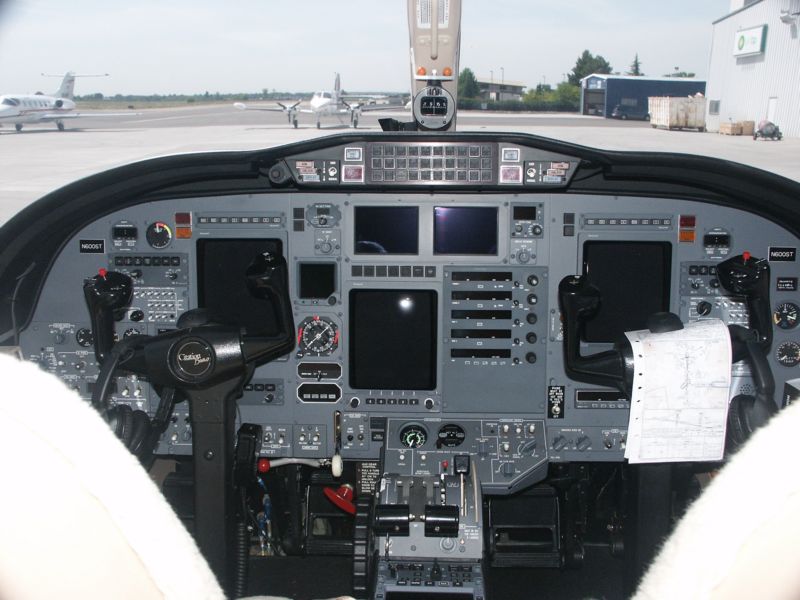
(326, 104)
(22, 109)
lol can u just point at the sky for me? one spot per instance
(193, 46)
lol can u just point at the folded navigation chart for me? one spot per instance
(681, 389)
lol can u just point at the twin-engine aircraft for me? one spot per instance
(327, 104)
(23, 109)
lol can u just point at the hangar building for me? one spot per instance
(754, 72)
(601, 93)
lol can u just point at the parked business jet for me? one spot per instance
(326, 104)
(22, 109)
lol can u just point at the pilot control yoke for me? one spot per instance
(743, 276)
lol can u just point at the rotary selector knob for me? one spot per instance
(326, 247)
(583, 443)
(704, 308)
(559, 442)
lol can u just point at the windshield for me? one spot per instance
(150, 78)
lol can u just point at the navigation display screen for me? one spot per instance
(633, 279)
(386, 230)
(393, 339)
(222, 287)
(465, 230)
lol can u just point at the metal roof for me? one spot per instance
(642, 77)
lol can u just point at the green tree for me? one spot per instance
(567, 93)
(587, 64)
(468, 84)
(636, 67)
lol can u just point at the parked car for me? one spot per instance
(630, 112)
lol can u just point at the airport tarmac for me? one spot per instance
(41, 159)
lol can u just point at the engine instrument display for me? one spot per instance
(465, 230)
(386, 230)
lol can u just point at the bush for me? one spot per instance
(519, 106)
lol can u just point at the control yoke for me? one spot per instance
(580, 301)
(107, 293)
(209, 364)
(748, 277)
(740, 275)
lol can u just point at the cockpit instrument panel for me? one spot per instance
(423, 277)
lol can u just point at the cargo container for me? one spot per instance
(678, 113)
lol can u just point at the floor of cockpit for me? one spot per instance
(314, 577)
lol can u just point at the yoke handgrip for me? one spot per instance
(105, 294)
(749, 277)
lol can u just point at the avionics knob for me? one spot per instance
(559, 442)
(532, 298)
(325, 247)
(532, 318)
(531, 338)
(524, 256)
(506, 447)
(354, 402)
(533, 280)
(429, 403)
(583, 443)
(537, 230)
(136, 315)
(704, 308)
(530, 357)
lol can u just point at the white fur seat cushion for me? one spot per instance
(740, 538)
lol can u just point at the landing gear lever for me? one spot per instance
(106, 294)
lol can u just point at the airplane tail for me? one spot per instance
(67, 87)
(337, 86)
